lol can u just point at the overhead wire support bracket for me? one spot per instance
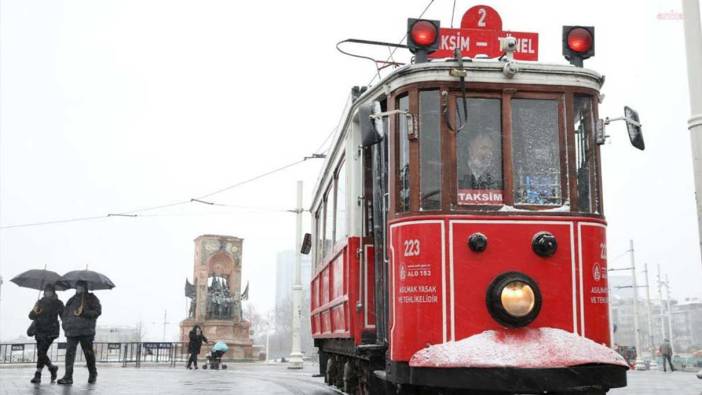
(202, 201)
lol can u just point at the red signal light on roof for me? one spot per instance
(423, 33)
(579, 40)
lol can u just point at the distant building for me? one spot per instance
(687, 325)
(686, 321)
(280, 341)
(284, 272)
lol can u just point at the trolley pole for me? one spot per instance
(296, 354)
(651, 342)
(693, 46)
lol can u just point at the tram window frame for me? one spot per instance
(328, 220)
(317, 236)
(506, 92)
(341, 167)
(403, 204)
(427, 147)
(591, 152)
(564, 171)
(456, 110)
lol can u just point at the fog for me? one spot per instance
(112, 106)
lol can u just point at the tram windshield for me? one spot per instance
(479, 152)
(511, 151)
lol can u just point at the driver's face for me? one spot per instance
(481, 150)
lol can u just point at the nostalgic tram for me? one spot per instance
(458, 229)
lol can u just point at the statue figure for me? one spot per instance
(190, 292)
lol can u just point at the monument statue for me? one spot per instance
(215, 295)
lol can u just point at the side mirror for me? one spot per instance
(371, 126)
(633, 126)
(306, 244)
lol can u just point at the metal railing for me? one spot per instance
(126, 353)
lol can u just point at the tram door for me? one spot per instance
(376, 172)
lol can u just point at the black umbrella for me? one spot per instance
(94, 280)
(38, 278)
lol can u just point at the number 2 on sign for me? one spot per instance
(483, 14)
(412, 247)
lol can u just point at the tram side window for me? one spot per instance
(322, 229)
(341, 210)
(479, 152)
(329, 228)
(403, 201)
(535, 152)
(430, 150)
(585, 164)
(318, 238)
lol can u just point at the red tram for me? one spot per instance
(458, 228)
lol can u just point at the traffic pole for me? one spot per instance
(639, 365)
(660, 299)
(693, 46)
(295, 353)
(651, 343)
(670, 313)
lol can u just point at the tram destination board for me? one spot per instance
(480, 34)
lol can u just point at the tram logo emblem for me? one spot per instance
(596, 272)
(403, 272)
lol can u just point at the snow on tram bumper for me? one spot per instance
(517, 348)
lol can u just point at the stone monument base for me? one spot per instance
(235, 334)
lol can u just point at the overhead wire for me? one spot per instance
(130, 213)
(199, 199)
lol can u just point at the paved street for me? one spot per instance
(655, 382)
(238, 379)
(262, 379)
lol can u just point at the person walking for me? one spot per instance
(666, 351)
(78, 320)
(45, 315)
(196, 340)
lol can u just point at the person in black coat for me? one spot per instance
(45, 315)
(196, 340)
(79, 316)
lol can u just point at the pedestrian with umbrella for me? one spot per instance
(44, 316)
(79, 317)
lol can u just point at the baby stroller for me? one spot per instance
(214, 360)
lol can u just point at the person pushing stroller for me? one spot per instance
(214, 360)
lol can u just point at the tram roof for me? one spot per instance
(483, 71)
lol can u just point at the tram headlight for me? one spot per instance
(517, 298)
(513, 299)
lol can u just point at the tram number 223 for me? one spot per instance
(412, 247)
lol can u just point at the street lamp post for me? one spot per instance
(296, 353)
(693, 46)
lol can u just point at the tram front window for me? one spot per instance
(535, 152)
(479, 152)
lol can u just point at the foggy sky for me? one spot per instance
(109, 106)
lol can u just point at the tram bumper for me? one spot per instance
(525, 360)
